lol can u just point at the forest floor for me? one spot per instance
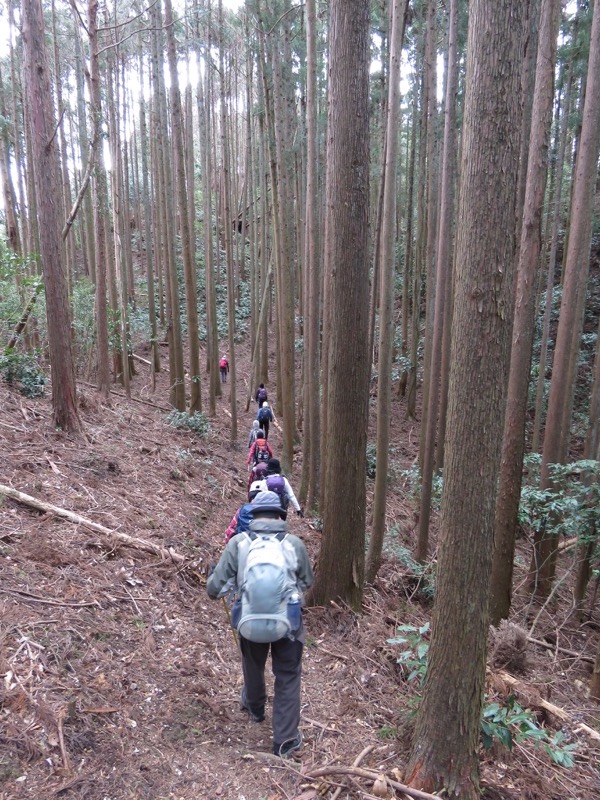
(121, 679)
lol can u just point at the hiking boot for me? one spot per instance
(257, 713)
(287, 749)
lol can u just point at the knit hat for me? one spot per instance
(265, 404)
(273, 466)
(267, 501)
(260, 470)
(255, 424)
(260, 434)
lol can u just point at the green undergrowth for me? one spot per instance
(505, 723)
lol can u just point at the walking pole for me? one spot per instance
(233, 630)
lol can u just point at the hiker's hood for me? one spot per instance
(268, 525)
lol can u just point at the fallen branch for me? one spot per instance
(551, 646)
(124, 396)
(142, 360)
(47, 601)
(370, 775)
(534, 699)
(356, 763)
(116, 537)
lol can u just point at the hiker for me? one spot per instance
(223, 369)
(257, 473)
(275, 625)
(275, 481)
(241, 519)
(264, 417)
(253, 433)
(260, 450)
(261, 395)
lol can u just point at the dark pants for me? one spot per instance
(265, 427)
(286, 657)
(223, 375)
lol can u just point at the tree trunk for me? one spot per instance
(230, 266)
(556, 221)
(100, 209)
(341, 560)
(513, 445)
(184, 221)
(46, 171)
(386, 299)
(446, 739)
(166, 203)
(443, 263)
(571, 309)
(312, 416)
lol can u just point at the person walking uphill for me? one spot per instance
(223, 369)
(261, 395)
(264, 417)
(253, 433)
(260, 450)
(246, 561)
(275, 481)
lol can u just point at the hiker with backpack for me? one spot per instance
(261, 395)
(223, 368)
(275, 481)
(242, 518)
(257, 473)
(271, 570)
(264, 417)
(253, 433)
(260, 450)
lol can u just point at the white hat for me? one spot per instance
(265, 404)
(255, 488)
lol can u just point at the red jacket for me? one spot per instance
(258, 444)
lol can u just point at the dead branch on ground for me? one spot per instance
(115, 537)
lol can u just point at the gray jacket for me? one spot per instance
(227, 568)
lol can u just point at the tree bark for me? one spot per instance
(386, 299)
(341, 561)
(189, 271)
(513, 445)
(443, 283)
(571, 309)
(446, 739)
(47, 182)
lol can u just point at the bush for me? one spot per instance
(22, 371)
(181, 420)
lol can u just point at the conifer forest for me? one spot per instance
(387, 214)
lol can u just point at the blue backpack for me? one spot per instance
(244, 518)
(264, 415)
(269, 607)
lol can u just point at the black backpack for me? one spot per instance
(261, 452)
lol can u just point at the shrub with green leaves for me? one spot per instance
(196, 422)
(23, 372)
(510, 724)
(413, 658)
(570, 506)
(507, 723)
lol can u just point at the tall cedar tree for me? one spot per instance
(446, 739)
(386, 298)
(341, 561)
(513, 445)
(570, 322)
(47, 185)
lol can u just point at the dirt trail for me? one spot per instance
(121, 678)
